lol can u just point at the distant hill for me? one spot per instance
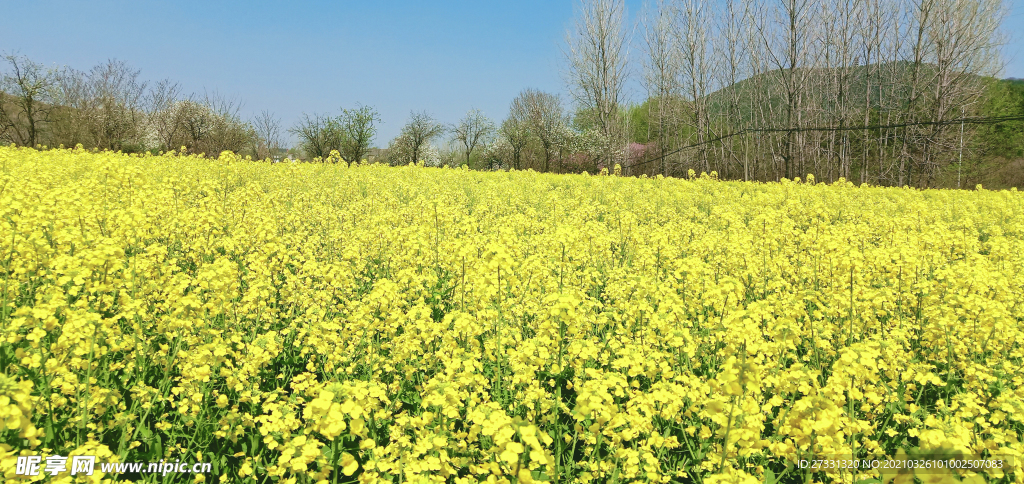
(888, 83)
(882, 87)
(993, 154)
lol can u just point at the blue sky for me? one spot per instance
(304, 56)
(1013, 53)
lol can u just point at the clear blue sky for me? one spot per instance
(305, 56)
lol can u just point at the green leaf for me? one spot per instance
(769, 476)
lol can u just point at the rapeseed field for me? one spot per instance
(322, 323)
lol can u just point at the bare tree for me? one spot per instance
(839, 43)
(267, 141)
(963, 41)
(517, 134)
(471, 131)
(221, 105)
(892, 51)
(25, 100)
(791, 50)
(70, 119)
(731, 48)
(162, 95)
(164, 113)
(661, 74)
(596, 55)
(114, 105)
(196, 123)
(694, 46)
(211, 125)
(760, 93)
(358, 127)
(872, 23)
(542, 113)
(318, 135)
(414, 139)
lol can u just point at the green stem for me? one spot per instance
(88, 383)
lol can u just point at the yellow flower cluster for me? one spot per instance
(16, 409)
(361, 323)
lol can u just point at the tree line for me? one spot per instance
(874, 91)
(867, 90)
(111, 107)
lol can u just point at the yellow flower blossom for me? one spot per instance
(297, 320)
